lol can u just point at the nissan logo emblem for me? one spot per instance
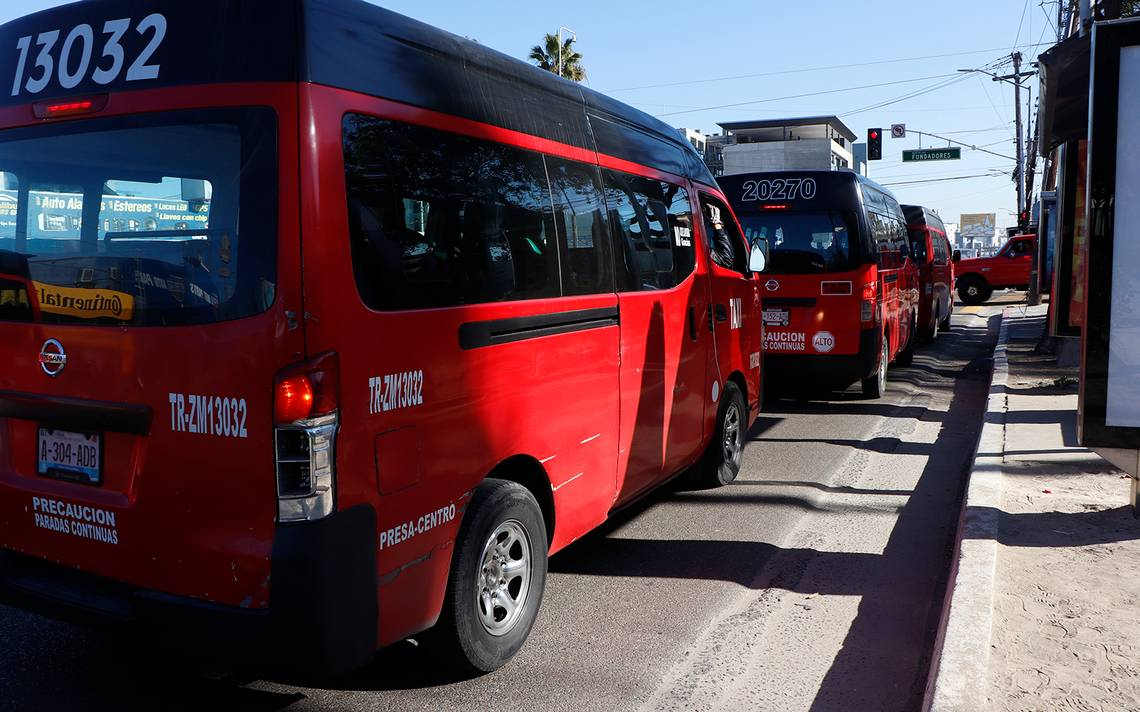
(771, 285)
(52, 357)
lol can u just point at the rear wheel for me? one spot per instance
(945, 323)
(973, 290)
(906, 356)
(875, 385)
(721, 462)
(497, 579)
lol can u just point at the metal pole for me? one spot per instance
(1018, 175)
(573, 35)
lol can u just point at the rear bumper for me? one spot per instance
(843, 368)
(322, 619)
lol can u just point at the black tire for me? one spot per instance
(461, 637)
(945, 323)
(725, 454)
(974, 290)
(929, 333)
(905, 357)
(875, 385)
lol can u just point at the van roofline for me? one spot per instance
(342, 43)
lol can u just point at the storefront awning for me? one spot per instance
(1065, 91)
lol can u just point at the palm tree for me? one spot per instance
(546, 56)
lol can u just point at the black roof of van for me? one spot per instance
(354, 45)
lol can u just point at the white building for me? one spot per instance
(809, 143)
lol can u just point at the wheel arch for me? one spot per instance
(528, 472)
(742, 383)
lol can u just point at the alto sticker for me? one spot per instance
(414, 527)
(208, 415)
(77, 520)
(784, 341)
(823, 342)
(395, 391)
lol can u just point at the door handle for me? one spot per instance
(693, 333)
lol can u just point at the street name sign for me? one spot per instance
(932, 154)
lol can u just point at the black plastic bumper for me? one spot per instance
(322, 618)
(817, 368)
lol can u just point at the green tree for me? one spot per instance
(546, 57)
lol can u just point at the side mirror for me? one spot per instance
(758, 255)
(957, 257)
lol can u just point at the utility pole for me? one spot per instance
(1017, 173)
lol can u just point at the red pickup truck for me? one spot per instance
(1008, 269)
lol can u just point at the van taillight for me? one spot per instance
(305, 401)
(868, 306)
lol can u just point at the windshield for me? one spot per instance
(805, 243)
(162, 219)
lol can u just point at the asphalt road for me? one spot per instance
(815, 581)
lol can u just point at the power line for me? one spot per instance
(910, 95)
(814, 93)
(941, 180)
(808, 69)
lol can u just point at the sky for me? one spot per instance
(871, 64)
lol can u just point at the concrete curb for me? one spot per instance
(959, 671)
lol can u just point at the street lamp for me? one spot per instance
(574, 38)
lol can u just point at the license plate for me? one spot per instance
(67, 455)
(777, 317)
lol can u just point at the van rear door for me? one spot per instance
(812, 284)
(136, 438)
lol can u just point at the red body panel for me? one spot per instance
(193, 513)
(605, 413)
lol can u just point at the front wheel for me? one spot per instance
(973, 290)
(497, 579)
(875, 385)
(721, 462)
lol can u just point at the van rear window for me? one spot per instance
(163, 219)
(806, 242)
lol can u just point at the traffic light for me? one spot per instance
(874, 144)
(1023, 219)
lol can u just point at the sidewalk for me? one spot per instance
(1043, 614)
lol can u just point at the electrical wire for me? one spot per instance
(800, 96)
(804, 70)
(942, 180)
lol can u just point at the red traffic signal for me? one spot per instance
(874, 144)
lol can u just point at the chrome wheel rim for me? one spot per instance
(504, 578)
(972, 291)
(731, 440)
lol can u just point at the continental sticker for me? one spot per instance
(78, 520)
(784, 341)
(85, 303)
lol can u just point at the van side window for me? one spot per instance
(580, 214)
(652, 227)
(918, 245)
(437, 219)
(726, 246)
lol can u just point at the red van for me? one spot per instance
(1008, 269)
(932, 254)
(345, 324)
(840, 298)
